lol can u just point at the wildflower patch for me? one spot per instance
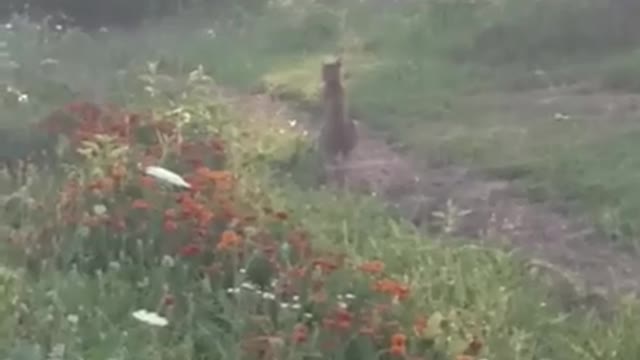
(222, 245)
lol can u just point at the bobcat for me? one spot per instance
(338, 136)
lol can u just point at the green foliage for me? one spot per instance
(622, 73)
(543, 31)
(68, 307)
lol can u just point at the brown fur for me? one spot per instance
(339, 136)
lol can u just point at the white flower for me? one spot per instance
(49, 61)
(248, 286)
(99, 209)
(561, 116)
(73, 319)
(150, 318)
(167, 176)
(168, 261)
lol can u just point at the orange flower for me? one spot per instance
(300, 334)
(372, 267)
(398, 345)
(205, 217)
(140, 204)
(229, 239)
(393, 288)
(190, 207)
(222, 179)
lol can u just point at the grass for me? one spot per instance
(77, 273)
(410, 71)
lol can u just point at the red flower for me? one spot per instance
(372, 267)
(140, 204)
(190, 250)
(341, 319)
(300, 334)
(393, 288)
(398, 345)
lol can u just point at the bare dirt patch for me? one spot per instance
(487, 210)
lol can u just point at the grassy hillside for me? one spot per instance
(248, 265)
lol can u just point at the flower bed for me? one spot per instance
(221, 245)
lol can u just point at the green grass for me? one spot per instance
(408, 77)
(400, 83)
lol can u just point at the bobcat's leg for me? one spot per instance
(341, 171)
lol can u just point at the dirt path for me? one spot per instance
(460, 202)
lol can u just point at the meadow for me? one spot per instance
(101, 261)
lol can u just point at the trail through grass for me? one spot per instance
(405, 79)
